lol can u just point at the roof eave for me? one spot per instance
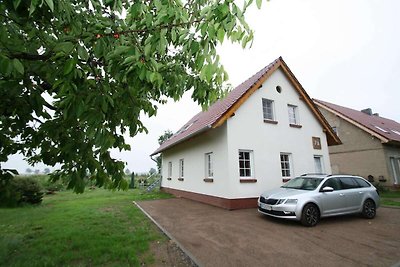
(205, 128)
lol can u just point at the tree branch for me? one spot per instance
(32, 57)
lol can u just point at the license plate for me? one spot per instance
(265, 206)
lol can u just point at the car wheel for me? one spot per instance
(369, 209)
(310, 215)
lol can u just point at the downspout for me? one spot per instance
(151, 156)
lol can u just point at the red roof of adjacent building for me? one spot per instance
(218, 112)
(385, 129)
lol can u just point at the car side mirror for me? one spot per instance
(327, 189)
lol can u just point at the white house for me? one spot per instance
(266, 131)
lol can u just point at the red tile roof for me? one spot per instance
(385, 129)
(214, 115)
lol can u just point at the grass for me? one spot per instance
(98, 227)
(390, 198)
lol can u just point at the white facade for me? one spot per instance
(247, 132)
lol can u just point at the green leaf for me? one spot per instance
(32, 7)
(16, 4)
(147, 49)
(18, 66)
(259, 2)
(69, 66)
(50, 4)
(6, 66)
(221, 35)
(65, 47)
(82, 53)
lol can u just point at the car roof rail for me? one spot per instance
(316, 173)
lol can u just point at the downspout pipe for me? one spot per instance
(151, 156)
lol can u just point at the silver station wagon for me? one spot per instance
(310, 197)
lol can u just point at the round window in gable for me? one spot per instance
(279, 89)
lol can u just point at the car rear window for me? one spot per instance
(348, 183)
(362, 182)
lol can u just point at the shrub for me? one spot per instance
(29, 189)
(380, 188)
(48, 185)
(19, 190)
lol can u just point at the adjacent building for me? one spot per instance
(265, 131)
(370, 144)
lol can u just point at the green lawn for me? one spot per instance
(97, 227)
(391, 198)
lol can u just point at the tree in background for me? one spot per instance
(164, 137)
(152, 171)
(46, 171)
(28, 170)
(76, 75)
(127, 171)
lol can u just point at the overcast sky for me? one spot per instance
(345, 51)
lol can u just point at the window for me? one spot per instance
(169, 169)
(293, 117)
(348, 183)
(381, 129)
(316, 141)
(245, 158)
(362, 182)
(209, 165)
(396, 132)
(319, 167)
(285, 165)
(181, 168)
(268, 109)
(395, 164)
(332, 182)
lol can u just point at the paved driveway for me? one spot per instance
(218, 237)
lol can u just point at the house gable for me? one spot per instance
(332, 138)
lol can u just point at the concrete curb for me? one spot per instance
(190, 255)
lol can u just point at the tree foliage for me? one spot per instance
(76, 76)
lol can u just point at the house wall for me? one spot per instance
(360, 153)
(193, 152)
(247, 130)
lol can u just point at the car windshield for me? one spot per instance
(303, 183)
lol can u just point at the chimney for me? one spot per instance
(376, 114)
(367, 111)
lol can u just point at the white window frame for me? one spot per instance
(245, 168)
(286, 168)
(169, 169)
(209, 164)
(268, 109)
(293, 114)
(321, 164)
(181, 168)
(395, 171)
